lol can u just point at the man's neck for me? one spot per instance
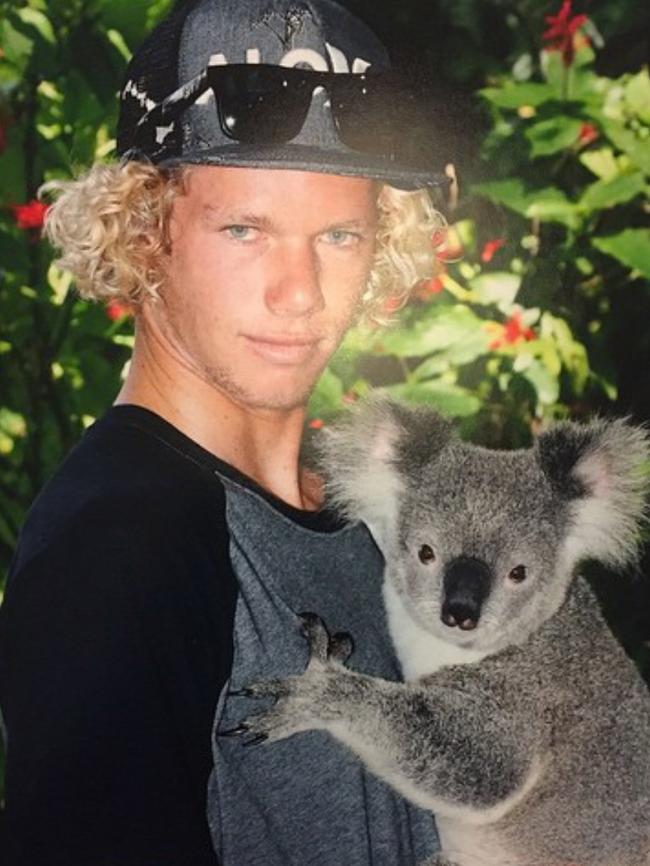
(262, 444)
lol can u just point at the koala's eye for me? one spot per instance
(518, 574)
(426, 554)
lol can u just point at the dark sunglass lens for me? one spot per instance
(379, 115)
(258, 105)
(362, 112)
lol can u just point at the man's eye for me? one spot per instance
(342, 237)
(240, 233)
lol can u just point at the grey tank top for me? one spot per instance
(305, 801)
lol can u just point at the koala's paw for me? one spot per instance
(323, 646)
(300, 701)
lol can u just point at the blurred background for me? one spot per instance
(538, 306)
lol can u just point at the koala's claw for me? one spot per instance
(310, 620)
(256, 740)
(341, 646)
(234, 732)
(244, 728)
(275, 689)
(313, 628)
(297, 700)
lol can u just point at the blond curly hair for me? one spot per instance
(112, 228)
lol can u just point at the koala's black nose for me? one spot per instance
(466, 585)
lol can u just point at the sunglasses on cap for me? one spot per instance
(262, 104)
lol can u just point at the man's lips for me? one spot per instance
(282, 349)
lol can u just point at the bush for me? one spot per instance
(516, 327)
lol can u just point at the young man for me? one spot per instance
(255, 215)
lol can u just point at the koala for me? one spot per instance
(521, 723)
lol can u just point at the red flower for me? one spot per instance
(427, 288)
(30, 215)
(490, 248)
(588, 133)
(562, 29)
(316, 424)
(115, 311)
(512, 332)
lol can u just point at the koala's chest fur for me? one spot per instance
(419, 652)
(462, 841)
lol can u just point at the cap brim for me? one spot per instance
(309, 158)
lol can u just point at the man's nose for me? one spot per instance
(295, 285)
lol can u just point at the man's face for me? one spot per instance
(265, 274)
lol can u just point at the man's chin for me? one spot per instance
(275, 402)
(263, 394)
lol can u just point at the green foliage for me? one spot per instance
(512, 334)
(60, 67)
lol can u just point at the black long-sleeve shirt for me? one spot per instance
(115, 640)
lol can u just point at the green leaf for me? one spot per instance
(601, 162)
(12, 424)
(12, 175)
(511, 192)
(497, 287)
(116, 39)
(627, 141)
(516, 95)
(547, 386)
(39, 22)
(556, 209)
(326, 399)
(577, 81)
(16, 47)
(608, 193)
(450, 400)
(442, 327)
(637, 95)
(457, 355)
(434, 366)
(631, 247)
(514, 194)
(131, 20)
(553, 135)
(571, 353)
(548, 353)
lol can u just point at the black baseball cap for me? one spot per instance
(296, 84)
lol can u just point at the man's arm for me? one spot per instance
(115, 644)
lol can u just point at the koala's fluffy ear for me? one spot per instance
(602, 469)
(369, 456)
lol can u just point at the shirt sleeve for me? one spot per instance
(115, 642)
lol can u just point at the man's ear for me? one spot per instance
(603, 469)
(370, 456)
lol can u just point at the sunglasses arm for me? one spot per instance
(175, 104)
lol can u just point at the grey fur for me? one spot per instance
(523, 725)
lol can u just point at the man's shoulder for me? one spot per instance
(131, 453)
(126, 535)
(124, 492)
